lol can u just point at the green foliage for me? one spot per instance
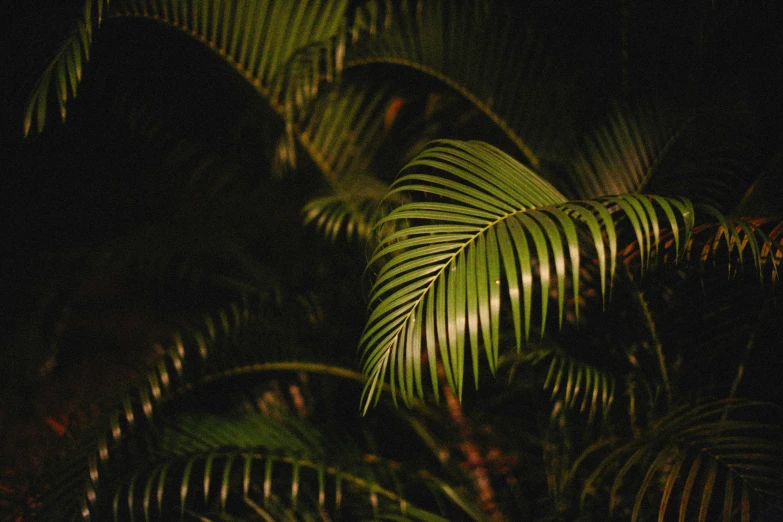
(613, 296)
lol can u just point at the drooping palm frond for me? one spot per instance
(574, 383)
(274, 467)
(349, 140)
(153, 463)
(259, 39)
(74, 482)
(621, 155)
(733, 244)
(341, 134)
(343, 129)
(571, 383)
(499, 67)
(352, 209)
(62, 75)
(718, 464)
(660, 150)
(486, 225)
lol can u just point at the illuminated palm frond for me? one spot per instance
(485, 224)
(284, 50)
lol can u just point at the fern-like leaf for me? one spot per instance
(487, 224)
(61, 76)
(707, 155)
(499, 67)
(262, 40)
(719, 466)
(621, 155)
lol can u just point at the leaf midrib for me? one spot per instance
(517, 140)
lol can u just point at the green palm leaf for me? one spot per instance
(485, 224)
(283, 49)
(63, 73)
(716, 465)
(621, 155)
(575, 384)
(135, 411)
(284, 463)
(496, 65)
(707, 155)
(351, 209)
(343, 130)
(277, 485)
(730, 243)
(342, 133)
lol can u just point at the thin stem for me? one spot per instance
(655, 341)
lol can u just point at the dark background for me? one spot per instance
(84, 184)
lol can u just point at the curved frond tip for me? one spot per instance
(704, 462)
(283, 49)
(496, 64)
(61, 76)
(482, 229)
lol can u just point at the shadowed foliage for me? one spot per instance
(277, 238)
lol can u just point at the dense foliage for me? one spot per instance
(576, 212)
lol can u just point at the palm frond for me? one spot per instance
(657, 149)
(61, 76)
(728, 243)
(572, 383)
(274, 461)
(136, 410)
(569, 379)
(279, 485)
(718, 465)
(489, 224)
(343, 129)
(499, 67)
(264, 41)
(342, 133)
(351, 210)
(621, 155)
(346, 140)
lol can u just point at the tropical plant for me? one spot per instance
(593, 241)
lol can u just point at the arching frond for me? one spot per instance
(701, 462)
(622, 154)
(730, 243)
(277, 485)
(343, 129)
(341, 134)
(136, 410)
(498, 66)
(262, 40)
(352, 209)
(61, 76)
(574, 384)
(236, 464)
(659, 150)
(485, 224)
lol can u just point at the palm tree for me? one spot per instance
(599, 239)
